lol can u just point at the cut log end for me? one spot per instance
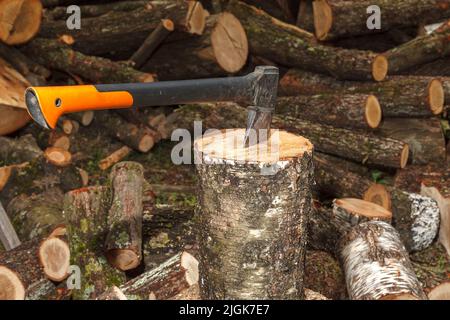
(168, 24)
(123, 259)
(441, 292)
(54, 255)
(363, 208)
(229, 42)
(436, 96)
(404, 156)
(380, 67)
(227, 145)
(58, 157)
(87, 118)
(196, 18)
(19, 20)
(190, 264)
(147, 142)
(378, 194)
(373, 113)
(11, 288)
(323, 19)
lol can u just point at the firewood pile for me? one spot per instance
(96, 209)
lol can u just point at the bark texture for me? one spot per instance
(253, 226)
(377, 265)
(85, 212)
(343, 111)
(124, 240)
(294, 47)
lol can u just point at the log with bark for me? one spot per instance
(376, 264)
(165, 281)
(399, 96)
(24, 269)
(343, 111)
(334, 18)
(291, 46)
(113, 293)
(221, 49)
(123, 32)
(424, 137)
(19, 20)
(420, 50)
(57, 55)
(114, 157)
(22, 149)
(85, 212)
(140, 138)
(254, 214)
(124, 239)
(85, 118)
(305, 18)
(356, 145)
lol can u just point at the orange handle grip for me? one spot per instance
(53, 102)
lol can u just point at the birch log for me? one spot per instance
(376, 264)
(254, 213)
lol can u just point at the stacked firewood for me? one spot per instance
(374, 103)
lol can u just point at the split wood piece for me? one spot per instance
(424, 137)
(37, 215)
(344, 111)
(357, 145)
(305, 17)
(22, 149)
(124, 239)
(69, 126)
(114, 157)
(280, 177)
(19, 20)
(416, 217)
(291, 46)
(139, 138)
(12, 86)
(444, 208)
(95, 10)
(85, 212)
(334, 18)
(399, 96)
(58, 156)
(8, 235)
(165, 281)
(31, 263)
(441, 292)
(113, 293)
(125, 31)
(59, 140)
(22, 63)
(12, 119)
(56, 55)
(420, 50)
(85, 118)
(324, 275)
(376, 264)
(152, 42)
(221, 49)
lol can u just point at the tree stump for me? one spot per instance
(254, 213)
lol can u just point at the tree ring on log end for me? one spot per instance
(229, 43)
(227, 146)
(189, 263)
(441, 292)
(168, 24)
(11, 288)
(54, 255)
(380, 68)
(378, 194)
(363, 208)
(58, 157)
(436, 96)
(323, 19)
(123, 259)
(373, 113)
(196, 18)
